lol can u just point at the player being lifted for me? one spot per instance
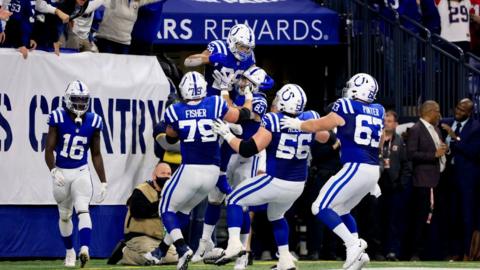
(287, 152)
(239, 168)
(359, 124)
(191, 122)
(71, 133)
(229, 59)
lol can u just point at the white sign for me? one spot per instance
(129, 92)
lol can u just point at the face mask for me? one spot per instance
(161, 181)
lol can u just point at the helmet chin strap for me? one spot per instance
(78, 119)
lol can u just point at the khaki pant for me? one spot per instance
(137, 246)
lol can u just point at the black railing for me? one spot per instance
(410, 63)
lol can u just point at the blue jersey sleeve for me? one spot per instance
(259, 105)
(342, 107)
(55, 118)
(222, 106)
(217, 46)
(170, 116)
(97, 123)
(271, 122)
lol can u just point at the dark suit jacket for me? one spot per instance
(400, 172)
(421, 151)
(466, 151)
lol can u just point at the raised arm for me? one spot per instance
(328, 122)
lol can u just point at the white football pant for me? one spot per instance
(77, 191)
(345, 190)
(189, 185)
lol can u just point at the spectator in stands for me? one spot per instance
(78, 36)
(114, 33)
(143, 228)
(395, 179)
(19, 27)
(464, 158)
(475, 27)
(455, 22)
(48, 28)
(426, 150)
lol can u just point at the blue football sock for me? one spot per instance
(280, 231)
(212, 214)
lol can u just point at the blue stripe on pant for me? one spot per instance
(241, 189)
(332, 187)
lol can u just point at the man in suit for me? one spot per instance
(463, 137)
(426, 150)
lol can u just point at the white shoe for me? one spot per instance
(233, 250)
(70, 258)
(184, 260)
(241, 262)
(204, 246)
(84, 256)
(360, 262)
(354, 251)
(286, 263)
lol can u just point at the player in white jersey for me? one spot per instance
(286, 172)
(239, 168)
(71, 134)
(191, 122)
(359, 125)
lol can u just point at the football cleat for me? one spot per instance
(70, 258)
(354, 251)
(84, 256)
(184, 260)
(204, 246)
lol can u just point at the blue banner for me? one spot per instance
(275, 22)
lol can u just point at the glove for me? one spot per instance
(215, 58)
(248, 93)
(267, 84)
(103, 193)
(223, 130)
(293, 123)
(57, 177)
(236, 129)
(222, 80)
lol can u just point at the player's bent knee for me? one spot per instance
(65, 215)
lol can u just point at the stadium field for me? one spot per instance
(303, 265)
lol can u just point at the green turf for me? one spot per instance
(303, 265)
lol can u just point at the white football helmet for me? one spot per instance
(77, 97)
(361, 86)
(193, 86)
(254, 76)
(241, 41)
(291, 99)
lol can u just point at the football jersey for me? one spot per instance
(193, 124)
(287, 153)
(231, 66)
(360, 136)
(73, 141)
(259, 106)
(455, 20)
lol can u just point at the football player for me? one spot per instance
(359, 124)
(71, 133)
(228, 59)
(191, 122)
(287, 152)
(239, 168)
